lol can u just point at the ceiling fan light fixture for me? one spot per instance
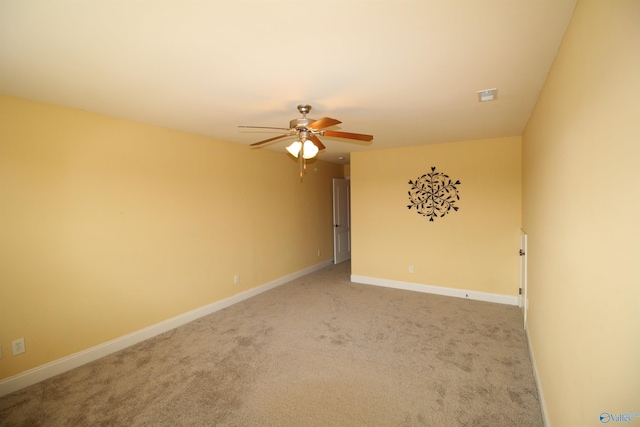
(310, 150)
(295, 148)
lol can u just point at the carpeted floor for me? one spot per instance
(318, 351)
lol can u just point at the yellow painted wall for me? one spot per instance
(475, 248)
(108, 226)
(581, 207)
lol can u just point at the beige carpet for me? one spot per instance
(318, 351)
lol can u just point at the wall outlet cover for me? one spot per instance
(18, 346)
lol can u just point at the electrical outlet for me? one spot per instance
(18, 346)
(0, 351)
(411, 269)
(318, 252)
(236, 279)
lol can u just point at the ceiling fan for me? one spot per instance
(307, 130)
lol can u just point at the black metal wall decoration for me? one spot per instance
(434, 194)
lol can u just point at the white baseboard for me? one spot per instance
(543, 406)
(438, 290)
(48, 370)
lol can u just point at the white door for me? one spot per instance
(341, 220)
(524, 300)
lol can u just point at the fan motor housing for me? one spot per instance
(301, 123)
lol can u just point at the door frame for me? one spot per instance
(523, 301)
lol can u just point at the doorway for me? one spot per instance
(341, 220)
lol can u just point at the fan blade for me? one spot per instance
(325, 122)
(317, 142)
(268, 140)
(356, 136)
(263, 127)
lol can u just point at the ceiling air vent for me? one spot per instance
(487, 95)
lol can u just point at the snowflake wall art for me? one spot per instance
(433, 194)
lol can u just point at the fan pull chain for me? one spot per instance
(302, 164)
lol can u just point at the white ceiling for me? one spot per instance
(406, 72)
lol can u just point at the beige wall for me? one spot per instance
(475, 248)
(109, 226)
(581, 207)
